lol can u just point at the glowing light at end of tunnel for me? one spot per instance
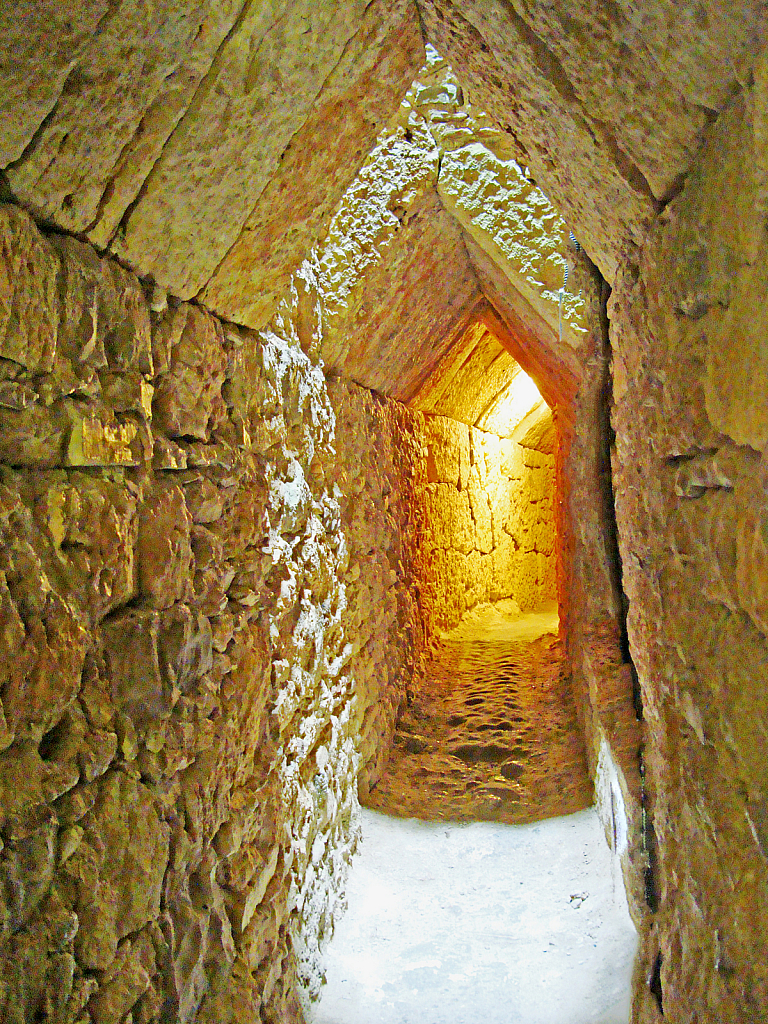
(512, 405)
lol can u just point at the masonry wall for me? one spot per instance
(688, 327)
(488, 531)
(205, 635)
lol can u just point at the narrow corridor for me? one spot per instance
(459, 918)
(492, 734)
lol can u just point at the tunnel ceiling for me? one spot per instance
(214, 146)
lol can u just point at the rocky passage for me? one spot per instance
(492, 734)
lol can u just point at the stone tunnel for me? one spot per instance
(322, 325)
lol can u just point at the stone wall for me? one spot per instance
(488, 531)
(688, 326)
(205, 634)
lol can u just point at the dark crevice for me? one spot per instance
(608, 496)
(648, 840)
(655, 983)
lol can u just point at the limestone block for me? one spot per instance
(43, 654)
(735, 388)
(74, 805)
(654, 124)
(127, 978)
(29, 303)
(185, 647)
(705, 531)
(133, 855)
(752, 558)
(447, 443)
(41, 44)
(704, 57)
(504, 569)
(358, 97)
(187, 400)
(99, 750)
(474, 581)
(120, 101)
(542, 536)
(393, 272)
(104, 315)
(127, 392)
(449, 519)
(35, 436)
(229, 143)
(491, 452)
(28, 867)
(164, 552)
(527, 564)
(28, 784)
(242, 523)
(481, 511)
(537, 485)
(90, 524)
(507, 62)
(515, 224)
(133, 666)
(204, 499)
(511, 459)
(469, 380)
(213, 573)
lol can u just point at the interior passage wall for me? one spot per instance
(487, 525)
(200, 604)
(688, 326)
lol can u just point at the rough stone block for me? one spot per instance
(29, 303)
(449, 519)
(104, 315)
(133, 666)
(356, 100)
(447, 441)
(481, 512)
(185, 647)
(164, 552)
(230, 141)
(187, 401)
(133, 855)
(43, 655)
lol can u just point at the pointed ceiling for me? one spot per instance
(214, 146)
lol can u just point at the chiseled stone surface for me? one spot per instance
(356, 101)
(160, 131)
(202, 647)
(500, 209)
(606, 106)
(393, 272)
(125, 91)
(489, 43)
(229, 142)
(40, 44)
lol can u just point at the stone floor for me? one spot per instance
(493, 734)
(481, 923)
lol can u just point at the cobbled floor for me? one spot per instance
(493, 734)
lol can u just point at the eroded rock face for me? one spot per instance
(689, 474)
(200, 653)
